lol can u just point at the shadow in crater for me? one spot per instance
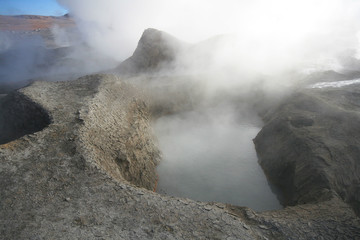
(20, 116)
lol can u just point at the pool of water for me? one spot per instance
(211, 157)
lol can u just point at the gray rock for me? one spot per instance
(310, 146)
(155, 50)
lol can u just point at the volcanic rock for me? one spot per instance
(155, 50)
(310, 146)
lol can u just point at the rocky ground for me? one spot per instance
(89, 174)
(78, 158)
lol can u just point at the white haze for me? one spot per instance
(272, 36)
(266, 41)
(28, 57)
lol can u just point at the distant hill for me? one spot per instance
(33, 22)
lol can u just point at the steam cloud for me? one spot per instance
(271, 36)
(265, 39)
(25, 57)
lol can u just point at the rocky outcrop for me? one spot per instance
(310, 146)
(155, 50)
(86, 175)
(158, 51)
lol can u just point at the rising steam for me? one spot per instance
(257, 40)
(272, 36)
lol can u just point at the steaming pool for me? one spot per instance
(212, 158)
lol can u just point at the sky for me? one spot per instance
(35, 7)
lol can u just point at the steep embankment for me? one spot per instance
(310, 145)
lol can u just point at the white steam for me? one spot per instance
(243, 55)
(272, 36)
(5, 42)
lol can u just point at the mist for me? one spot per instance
(270, 35)
(56, 54)
(232, 45)
(242, 42)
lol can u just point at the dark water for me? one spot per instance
(212, 158)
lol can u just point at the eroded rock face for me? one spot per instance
(121, 143)
(310, 146)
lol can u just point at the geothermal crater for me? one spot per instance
(209, 155)
(90, 174)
